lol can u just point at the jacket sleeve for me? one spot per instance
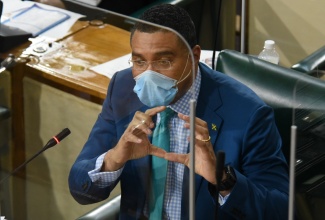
(102, 138)
(261, 190)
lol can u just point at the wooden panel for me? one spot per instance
(67, 70)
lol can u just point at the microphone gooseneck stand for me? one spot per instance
(52, 142)
(192, 160)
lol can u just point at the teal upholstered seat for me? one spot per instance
(278, 86)
(312, 63)
(285, 89)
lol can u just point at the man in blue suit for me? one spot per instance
(229, 117)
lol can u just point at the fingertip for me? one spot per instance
(152, 149)
(155, 110)
(156, 151)
(148, 131)
(182, 116)
(161, 108)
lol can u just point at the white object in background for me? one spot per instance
(29, 19)
(12, 7)
(42, 46)
(269, 53)
(206, 57)
(109, 68)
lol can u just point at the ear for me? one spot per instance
(196, 53)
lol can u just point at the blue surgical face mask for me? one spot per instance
(155, 89)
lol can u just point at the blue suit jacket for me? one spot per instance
(239, 124)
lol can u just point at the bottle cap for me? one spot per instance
(269, 44)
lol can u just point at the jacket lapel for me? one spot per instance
(209, 101)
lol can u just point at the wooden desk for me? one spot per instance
(90, 46)
(93, 45)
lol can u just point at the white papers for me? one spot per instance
(109, 68)
(13, 7)
(36, 19)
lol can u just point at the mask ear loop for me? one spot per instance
(184, 77)
(183, 72)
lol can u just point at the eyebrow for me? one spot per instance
(161, 53)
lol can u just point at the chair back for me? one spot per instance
(281, 88)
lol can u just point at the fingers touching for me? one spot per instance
(173, 157)
(201, 128)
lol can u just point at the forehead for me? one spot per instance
(154, 43)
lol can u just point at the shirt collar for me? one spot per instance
(183, 104)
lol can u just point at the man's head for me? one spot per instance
(169, 16)
(157, 50)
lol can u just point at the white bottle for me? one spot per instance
(269, 53)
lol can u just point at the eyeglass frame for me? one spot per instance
(147, 63)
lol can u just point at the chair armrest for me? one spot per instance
(107, 211)
(315, 61)
(4, 113)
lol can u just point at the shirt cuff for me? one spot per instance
(103, 179)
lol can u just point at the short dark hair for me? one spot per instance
(171, 16)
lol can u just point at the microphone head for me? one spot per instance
(57, 138)
(63, 134)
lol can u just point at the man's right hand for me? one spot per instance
(134, 143)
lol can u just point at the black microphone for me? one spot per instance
(220, 165)
(220, 169)
(7, 63)
(56, 139)
(52, 142)
(11, 60)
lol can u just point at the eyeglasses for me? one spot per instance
(157, 64)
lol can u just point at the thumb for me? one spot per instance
(156, 151)
(179, 158)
